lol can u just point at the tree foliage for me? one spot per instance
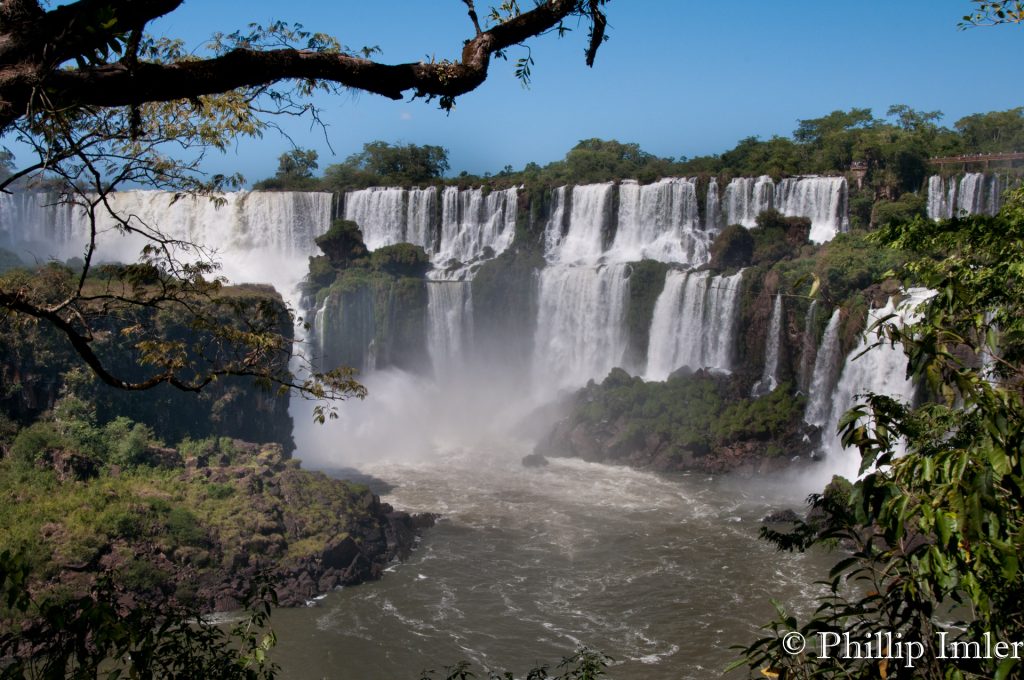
(380, 163)
(108, 634)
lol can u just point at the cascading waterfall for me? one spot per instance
(974, 193)
(390, 215)
(472, 224)
(826, 367)
(693, 323)
(554, 230)
(588, 220)
(880, 370)
(712, 208)
(770, 376)
(807, 351)
(939, 205)
(248, 232)
(823, 200)
(971, 197)
(746, 197)
(659, 221)
(581, 324)
(449, 324)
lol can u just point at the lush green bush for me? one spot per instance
(342, 243)
(733, 247)
(34, 441)
(907, 207)
(401, 259)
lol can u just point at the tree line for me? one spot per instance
(893, 150)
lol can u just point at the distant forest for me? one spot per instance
(894, 151)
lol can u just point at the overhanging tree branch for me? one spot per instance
(126, 84)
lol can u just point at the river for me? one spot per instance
(662, 573)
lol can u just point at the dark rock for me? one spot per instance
(535, 460)
(780, 516)
(340, 555)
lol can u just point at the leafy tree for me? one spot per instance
(936, 533)
(294, 171)
(993, 132)
(383, 163)
(106, 634)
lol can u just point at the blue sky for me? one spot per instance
(680, 77)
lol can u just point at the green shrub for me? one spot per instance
(34, 441)
(184, 528)
(733, 247)
(401, 259)
(130, 450)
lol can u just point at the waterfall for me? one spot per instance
(974, 194)
(807, 351)
(248, 232)
(770, 376)
(880, 370)
(382, 214)
(693, 324)
(971, 196)
(475, 226)
(554, 230)
(823, 200)
(449, 324)
(581, 324)
(712, 208)
(659, 221)
(746, 198)
(588, 221)
(826, 364)
(939, 206)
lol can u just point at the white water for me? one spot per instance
(581, 324)
(746, 198)
(258, 237)
(588, 219)
(770, 376)
(713, 208)
(974, 193)
(826, 364)
(807, 349)
(882, 370)
(823, 200)
(659, 221)
(449, 325)
(693, 324)
(472, 226)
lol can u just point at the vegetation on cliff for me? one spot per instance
(692, 421)
(229, 324)
(937, 520)
(81, 499)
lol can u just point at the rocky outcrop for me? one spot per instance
(692, 422)
(234, 513)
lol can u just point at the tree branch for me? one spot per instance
(117, 84)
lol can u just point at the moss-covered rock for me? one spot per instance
(693, 421)
(646, 281)
(196, 531)
(733, 247)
